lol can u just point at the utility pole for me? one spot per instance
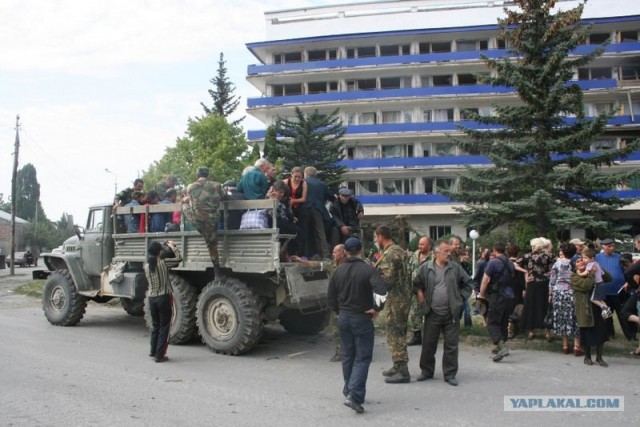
(14, 185)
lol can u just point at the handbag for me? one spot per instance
(254, 219)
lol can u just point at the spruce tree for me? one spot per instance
(224, 101)
(313, 140)
(542, 174)
(271, 147)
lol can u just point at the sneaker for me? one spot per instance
(501, 354)
(606, 313)
(162, 359)
(353, 405)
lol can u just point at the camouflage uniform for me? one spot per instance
(393, 267)
(416, 312)
(203, 210)
(334, 332)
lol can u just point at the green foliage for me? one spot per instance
(28, 194)
(271, 147)
(312, 140)
(4, 205)
(539, 177)
(32, 289)
(224, 101)
(210, 141)
(255, 154)
(522, 233)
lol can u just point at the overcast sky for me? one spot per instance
(110, 84)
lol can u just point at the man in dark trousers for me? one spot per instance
(497, 283)
(317, 194)
(441, 287)
(356, 293)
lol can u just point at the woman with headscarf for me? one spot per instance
(538, 264)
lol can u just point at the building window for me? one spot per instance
(397, 186)
(391, 116)
(394, 50)
(467, 79)
(285, 58)
(470, 45)
(436, 185)
(427, 116)
(596, 73)
(439, 231)
(321, 55)
(367, 187)
(630, 73)
(397, 150)
(444, 149)
(362, 84)
(446, 80)
(435, 47)
(287, 90)
(368, 119)
(443, 115)
(604, 145)
(366, 152)
(598, 38)
(628, 36)
(361, 52)
(395, 82)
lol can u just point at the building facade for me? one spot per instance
(403, 75)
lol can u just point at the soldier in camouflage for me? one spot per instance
(339, 255)
(201, 207)
(394, 269)
(168, 183)
(417, 259)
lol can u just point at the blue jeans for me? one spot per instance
(356, 336)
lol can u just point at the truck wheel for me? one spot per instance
(134, 307)
(183, 321)
(229, 316)
(305, 324)
(61, 302)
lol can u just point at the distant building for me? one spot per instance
(403, 75)
(5, 232)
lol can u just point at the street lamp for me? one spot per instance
(115, 181)
(473, 234)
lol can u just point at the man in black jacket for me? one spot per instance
(346, 213)
(356, 293)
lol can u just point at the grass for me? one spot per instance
(31, 289)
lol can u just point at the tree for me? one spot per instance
(542, 174)
(255, 154)
(313, 140)
(210, 141)
(28, 194)
(271, 147)
(224, 101)
(4, 205)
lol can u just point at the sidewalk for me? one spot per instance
(9, 299)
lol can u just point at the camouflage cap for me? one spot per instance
(202, 171)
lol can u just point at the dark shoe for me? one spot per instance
(602, 363)
(152, 355)
(391, 371)
(452, 381)
(494, 350)
(162, 359)
(503, 351)
(588, 362)
(353, 405)
(398, 378)
(336, 357)
(424, 376)
(416, 339)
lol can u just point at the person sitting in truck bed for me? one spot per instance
(133, 220)
(160, 220)
(151, 199)
(285, 221)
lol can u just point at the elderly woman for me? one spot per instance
(561, 298)
(538, 264)
(592, 327)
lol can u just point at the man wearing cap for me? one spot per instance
(356, 294)
(346, 213)
(201, 206)
(609, 260)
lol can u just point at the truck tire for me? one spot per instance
(134, 307)
(229, 316)
(183, 321)
(296, 322)
(61, 302)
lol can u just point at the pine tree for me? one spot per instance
(28, 194)
(224, 101)
(313, 140)
(542, 174)
(271, 147)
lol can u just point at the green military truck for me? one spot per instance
(228, 312)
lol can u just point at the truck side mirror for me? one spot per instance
(79, 231)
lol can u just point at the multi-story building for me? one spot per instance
(403, 75)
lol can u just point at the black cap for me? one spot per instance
(352, 245)
(230, 183)
(202, 171)
(607, 241)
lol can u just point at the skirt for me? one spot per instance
(536, 303)
(564, 314)
(597, 334)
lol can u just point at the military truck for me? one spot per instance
(227, 312)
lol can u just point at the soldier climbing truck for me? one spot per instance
(228, 312)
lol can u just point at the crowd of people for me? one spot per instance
(307, 208)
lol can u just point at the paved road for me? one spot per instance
(98, 373)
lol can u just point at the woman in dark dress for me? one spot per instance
(538, 264)
(593, 332)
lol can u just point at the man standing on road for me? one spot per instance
(356, 294)
(497, 282)
(441, 287)
(393, 267)
(609, 260)
(419, 257)
(339, 255)
(201, 206)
